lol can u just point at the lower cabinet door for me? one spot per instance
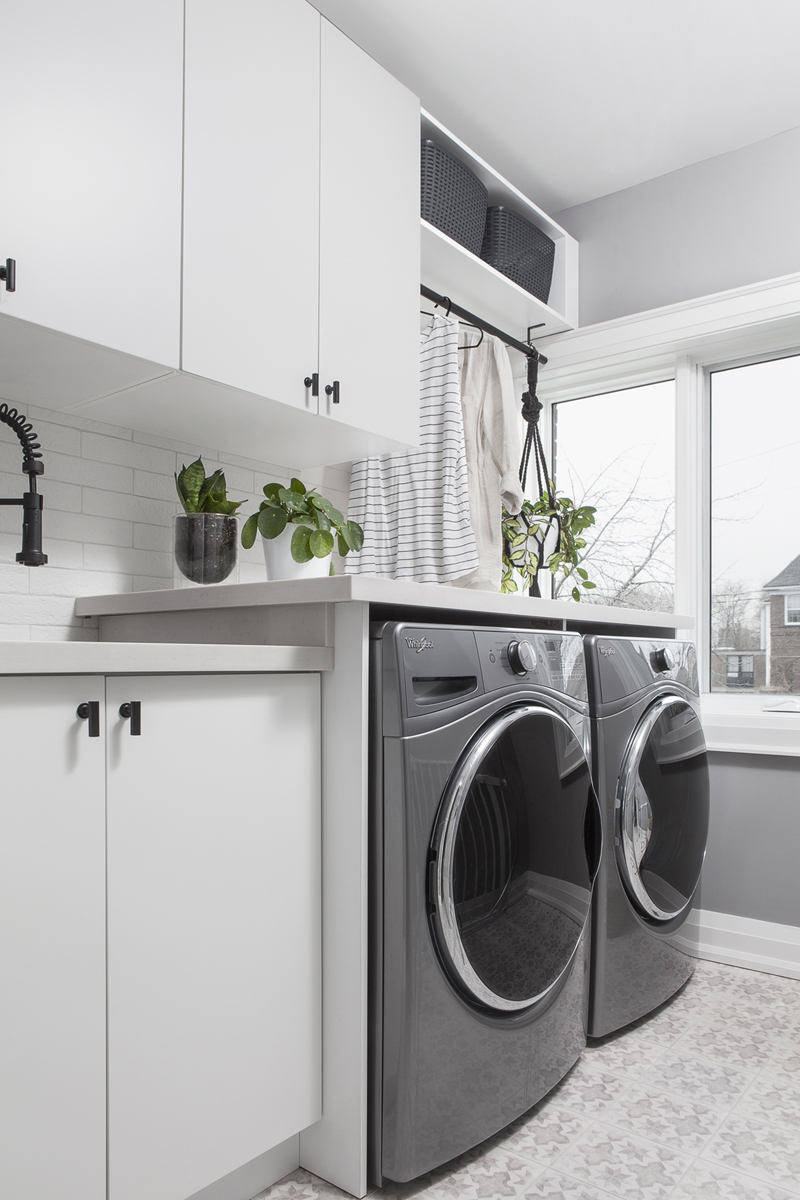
(52, 940)
(213, 925)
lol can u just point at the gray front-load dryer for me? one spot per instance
(651, 773)
(485, 844)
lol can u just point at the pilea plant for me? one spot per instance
(524, 542)
(199, 494)
(315, 519)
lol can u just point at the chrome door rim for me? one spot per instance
(630, 830)
(453, 802)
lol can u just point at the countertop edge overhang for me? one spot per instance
(158, 658)
(384, 592)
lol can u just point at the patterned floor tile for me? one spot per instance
(586, 1091)
(662, 1028)
(724, 1044)
(773, 1097)
(623, 1164)
(767, 1152)
(552, 1185)
(622, 1056)
(542, 1134)
(705, 1181)
(699, 1079)
(496, 1175)
(785, 1059)
(674, 1121)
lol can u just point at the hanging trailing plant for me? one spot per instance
(551, 520)
(525, 536)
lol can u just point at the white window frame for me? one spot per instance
(795, 608)
(687, 342)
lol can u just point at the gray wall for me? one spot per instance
(719, 224)
(752, 866)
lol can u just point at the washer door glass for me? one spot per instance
(663, 809)
(510, 881)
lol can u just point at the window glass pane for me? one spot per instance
(755, 543)
(617, 452)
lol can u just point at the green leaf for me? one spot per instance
(225, 507)
(587, 584)
(334, 516)
(249, 530)
(584, 574)
(320, 543)
(272, 490)
(292, 500)
(575, 594)
(297, 486)
(301, 550)
(355, 535)
(189, 482)
(271, 522)
(213, 486)
(321, 519)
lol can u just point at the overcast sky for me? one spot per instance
(755, 414)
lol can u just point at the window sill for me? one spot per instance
(739, 725)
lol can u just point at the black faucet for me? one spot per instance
(31, 553)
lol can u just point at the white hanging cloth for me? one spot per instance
(492, 437)
(414, 505)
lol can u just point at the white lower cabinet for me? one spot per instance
(213, 930)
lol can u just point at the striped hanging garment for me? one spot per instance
(414, 505)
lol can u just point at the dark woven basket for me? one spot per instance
(519, 250)
(453, 199)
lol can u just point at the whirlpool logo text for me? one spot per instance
(419, 644)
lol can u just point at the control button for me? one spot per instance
(492, 657)
(662, 659)
(521, 657)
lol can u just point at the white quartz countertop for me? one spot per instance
(341, 588)
(156, 658)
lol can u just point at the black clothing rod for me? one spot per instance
(446, 303)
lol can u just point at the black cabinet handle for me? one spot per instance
(333, 388)
(132, 710)
(312, 381)
(9, 273)
(90, 710)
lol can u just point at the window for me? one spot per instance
(616, 451)
(755, 545)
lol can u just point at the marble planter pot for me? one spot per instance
(281, 565)
(206, 546)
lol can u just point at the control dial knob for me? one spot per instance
(662, 659)
(521, 657)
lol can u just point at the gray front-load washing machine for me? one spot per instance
(485, 842)
(651, 773)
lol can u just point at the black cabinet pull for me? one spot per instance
(9, 273)
(132, 710)
(333, 388)
(312, 381)
(90, 710)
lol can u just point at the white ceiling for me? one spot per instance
(573, 99)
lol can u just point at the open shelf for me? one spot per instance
(452, 270)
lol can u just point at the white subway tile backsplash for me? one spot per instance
(128, 454)
(109, 509)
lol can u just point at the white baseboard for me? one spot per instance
(743, 942)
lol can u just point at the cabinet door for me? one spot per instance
(91, 196)
(251, 231)
(369, 242)
(213, 926)
(52, 942)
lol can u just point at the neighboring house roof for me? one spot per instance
(788, 577)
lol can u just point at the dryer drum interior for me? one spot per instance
(513, 859)
(663, 804)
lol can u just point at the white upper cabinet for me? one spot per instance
(90, 206)
(251, 234)
(369, 243)
(301, 237)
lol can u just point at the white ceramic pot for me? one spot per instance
(281, 565)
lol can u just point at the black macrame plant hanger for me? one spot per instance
(531, 408)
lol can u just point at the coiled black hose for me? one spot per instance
(24, 431)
